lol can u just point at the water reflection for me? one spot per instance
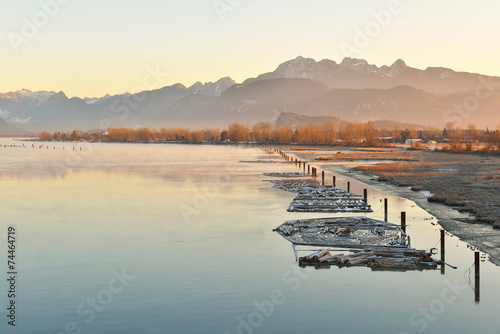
(120, 207)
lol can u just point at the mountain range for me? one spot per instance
(353, 90)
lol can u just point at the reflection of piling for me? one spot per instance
(323, 178)
(304, 167)
(386, 210)
(443, 257)
(477, 284)
(348, 186)
(403, 221)
(308, 169)
(365, 195)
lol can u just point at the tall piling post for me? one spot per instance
(477, 282)
(365, 195)
(403, 221)
(334, 181)
(308, 169)
(386, 210)
(323, 178)
(443, 252)
(348, 186)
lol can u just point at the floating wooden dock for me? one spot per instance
(311, 197)
(328, 205)
(285, 174)
(347, 232)
(296, 185)
(325, 192)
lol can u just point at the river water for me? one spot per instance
(146, 238)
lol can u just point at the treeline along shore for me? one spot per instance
(329, 133)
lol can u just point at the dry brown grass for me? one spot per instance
(468, 181)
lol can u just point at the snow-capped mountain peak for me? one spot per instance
(359, 65)
(33, 99)
(212, 88)
(295, 68)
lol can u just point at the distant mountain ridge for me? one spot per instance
(352, 89)
(359, 74)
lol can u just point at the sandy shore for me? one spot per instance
(466, 182)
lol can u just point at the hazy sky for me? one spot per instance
(90, 48)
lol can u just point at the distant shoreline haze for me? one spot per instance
(329, 133)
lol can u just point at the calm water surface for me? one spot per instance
(138, 238)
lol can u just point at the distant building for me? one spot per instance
(413, 141)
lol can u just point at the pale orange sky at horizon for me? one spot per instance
(91, 49)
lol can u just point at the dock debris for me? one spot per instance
(381, 258)
(295, 186)
(347, 232)
(285, 174)
(322, 192)
(270, 157)
(328, 205)
(311, 197)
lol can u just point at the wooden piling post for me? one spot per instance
(334, 181)
(323, 178)
(304, 167)
(442, 239)
(403, 221)
(365, 195)
(443, 253)
(477, 290)
(348, 186)
(477, 261)
(386, 210)
(308, 169)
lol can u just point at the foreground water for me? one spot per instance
(137, 238)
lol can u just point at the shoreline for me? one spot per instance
(480, 235)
